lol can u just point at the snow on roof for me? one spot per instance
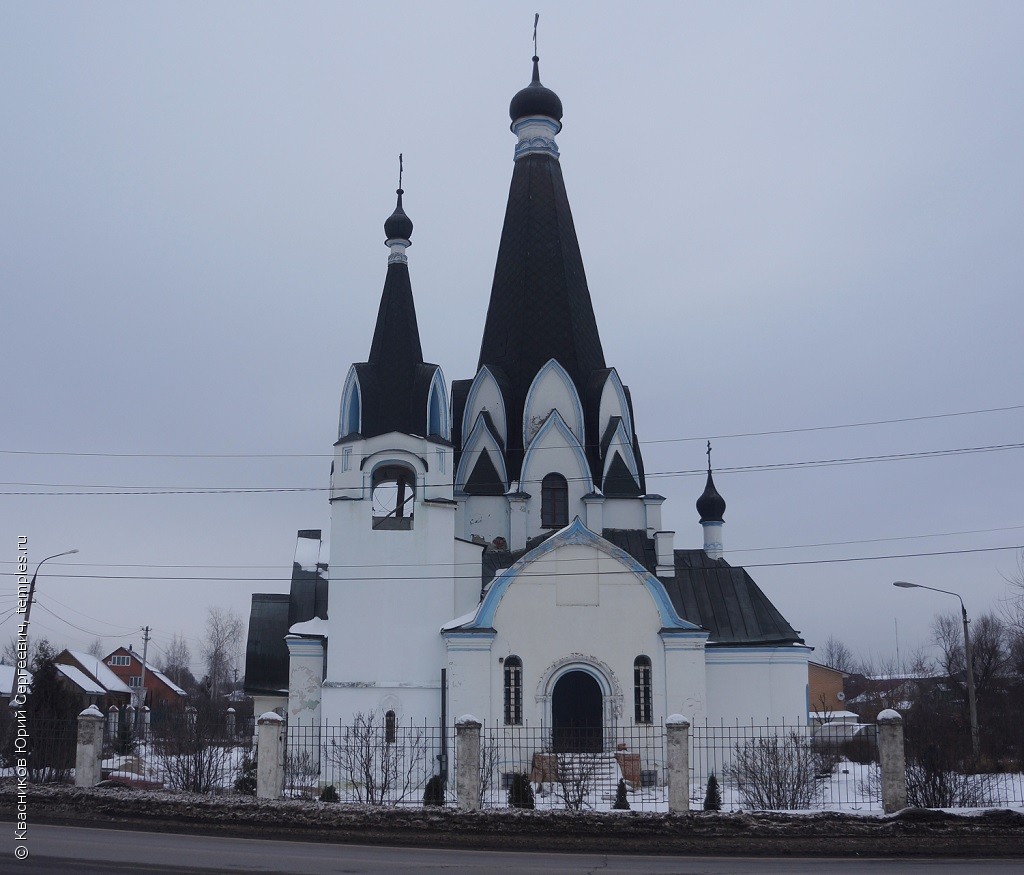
(98, 670)
(307, 553)
(153, 670)
(7, 679)
(316, 626)
(81, 680)
(459, 621)
(166, 680)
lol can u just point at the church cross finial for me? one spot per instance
(399, 172)
(709, 455)
(536, 18)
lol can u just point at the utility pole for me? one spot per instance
(142, 685)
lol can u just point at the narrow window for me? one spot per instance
(513, 691)
(390, 731)
(642, 690)
(435, 424)
(554, 501)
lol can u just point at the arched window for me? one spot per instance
(513, 691)
(394, 497)
(435, 425)
(554, 502)
(351, 406)
(390, 730)
(642, 690)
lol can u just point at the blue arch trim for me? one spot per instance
(555, 421)
(351, 403)
(437, 399)
(483, 375)
(555, 366)
(616, 382)
(579, 535)
(480, 439)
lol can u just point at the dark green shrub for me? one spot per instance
(433, 793)
(520, 791)
(246, 780)
(621, 802)
(713, 796)
(329, 794)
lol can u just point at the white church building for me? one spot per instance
(495, 551)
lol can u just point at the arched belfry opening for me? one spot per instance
(393, 497)
(577, 714)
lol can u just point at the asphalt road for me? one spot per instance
(68, 849)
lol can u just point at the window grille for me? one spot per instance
(642, 690)
(513, 691)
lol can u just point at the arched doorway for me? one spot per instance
(576, 711)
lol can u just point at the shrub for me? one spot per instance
(520, 791)
(775, 772)
(329, 794)
(713, 796)
(621, 802)
(433, 793)
(246, 780)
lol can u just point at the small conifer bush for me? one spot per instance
(621, 802)
(433, 793)
(520, 791)
(246, 780)
(713, 796)
(329, 794)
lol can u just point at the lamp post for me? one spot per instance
(968, 660)
(28, 606)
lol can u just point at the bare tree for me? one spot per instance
(96, 649)
(176, 658)
(835, 654)
(775, 772)
(989, 649)
(381, 769)
(224, 632)
(577, 775)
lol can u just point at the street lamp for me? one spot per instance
(968, 660)
(32, 585)
(28, 608)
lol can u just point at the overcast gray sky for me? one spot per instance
(792, 215)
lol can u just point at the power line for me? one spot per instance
(121, 490)
(724, 436)
(279, 565)
(80, 629)
(476, 576)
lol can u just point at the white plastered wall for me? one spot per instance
(575, 608)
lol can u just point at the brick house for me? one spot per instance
(162, 694)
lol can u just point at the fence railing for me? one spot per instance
(368, 762)
(788, 767)
(755, 766)
(591, 769)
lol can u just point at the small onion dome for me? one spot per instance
(535, 99)
(399, 225)
(711, 505)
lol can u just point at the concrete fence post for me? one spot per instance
(229, 723)
(467, 759)
(677, 735)
(270, 750)
(893, 762)
(89, 750)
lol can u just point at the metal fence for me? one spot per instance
(758, 766)
(189, 754)
(369, 762)
(598, 769)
